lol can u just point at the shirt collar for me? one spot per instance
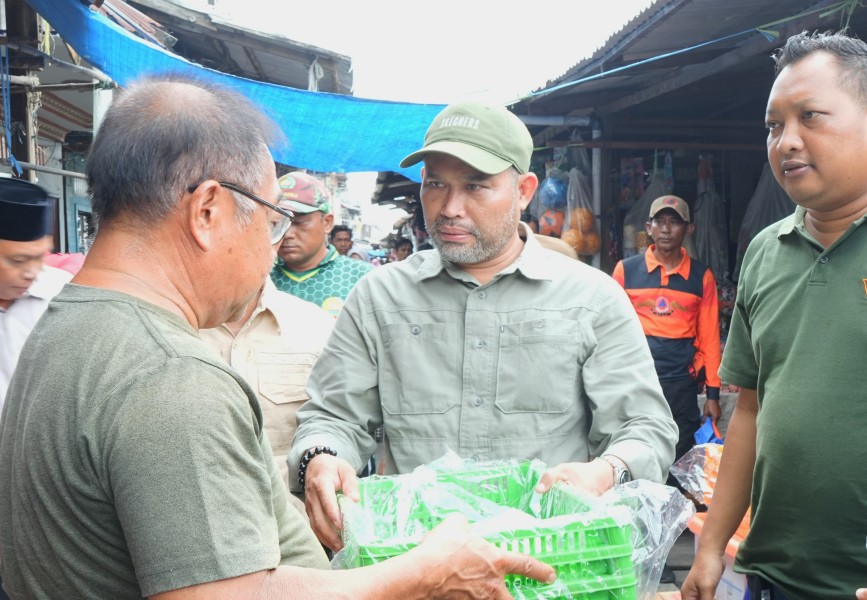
(788, 224)
(796, 221)
(47, 283)
(330, 256)
(682, 268)
(531, 262)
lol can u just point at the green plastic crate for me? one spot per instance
(591, 548)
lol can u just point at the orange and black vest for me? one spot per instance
(679, 314)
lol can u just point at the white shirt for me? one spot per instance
(17, 321)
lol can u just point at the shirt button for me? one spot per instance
(538, 324)
(234, 346)
(482, 295)
(823, 260)
(478, 401)
(415, 330)
(480, 343)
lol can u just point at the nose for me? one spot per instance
(454, 205)
(789, 139)
(30, 272)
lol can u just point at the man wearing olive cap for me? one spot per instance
(26, 284)
(490, 345)
(675, 298)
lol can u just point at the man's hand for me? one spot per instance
(711, 409)
(326, 475)
(460, 564)
(704, 576)
(861, 594)
(596, 477)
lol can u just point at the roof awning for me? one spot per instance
(325, 132)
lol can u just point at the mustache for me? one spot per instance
(467, 226)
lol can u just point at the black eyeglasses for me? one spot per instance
(278, 229)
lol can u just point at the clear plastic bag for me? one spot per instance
(697, 472)
(614, 543)
(579, 229)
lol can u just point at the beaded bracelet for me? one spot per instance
(307, 457)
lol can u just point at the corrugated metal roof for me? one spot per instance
(669, 26)
(216, 43)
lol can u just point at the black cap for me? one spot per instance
(26, 211)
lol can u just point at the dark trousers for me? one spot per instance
(762, 589)
(3, 595)
(682, 397)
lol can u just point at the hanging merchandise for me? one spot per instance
(579, 230)
(631, 181)
(768, 205)
(710, 222)
(635, 240)
(552, 202)
(667, 173)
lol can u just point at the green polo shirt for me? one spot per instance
(327, 285)
(799, 337)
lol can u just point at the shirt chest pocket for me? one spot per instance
(539, 365)
(420, 368)
(283, 375)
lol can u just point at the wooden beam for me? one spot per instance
(257, 66)
(689, 75)
(66, 110)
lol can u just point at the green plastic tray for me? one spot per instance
(592, 552)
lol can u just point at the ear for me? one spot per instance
(527, 184)
(690, 229)
(647, 229)
(204, 211)
(329, 223)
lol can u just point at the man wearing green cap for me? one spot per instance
(307, 265)
(490, 345)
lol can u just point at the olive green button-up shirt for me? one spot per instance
(547, 360)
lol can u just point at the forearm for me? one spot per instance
(631, 418)
(731, 496)
(396, 579)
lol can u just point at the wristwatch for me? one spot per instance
(621, 472)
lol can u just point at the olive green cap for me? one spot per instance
(488, 138)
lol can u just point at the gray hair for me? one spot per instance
(164, 134)
(850, 53)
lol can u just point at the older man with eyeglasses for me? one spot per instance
(132, 459)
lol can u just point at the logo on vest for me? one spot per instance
(662, 307)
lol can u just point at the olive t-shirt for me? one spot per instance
(799, 338)
(132, 460)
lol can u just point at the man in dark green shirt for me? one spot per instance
(797, 345)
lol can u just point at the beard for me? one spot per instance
(485, 246)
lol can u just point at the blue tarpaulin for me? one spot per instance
(325, 132)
